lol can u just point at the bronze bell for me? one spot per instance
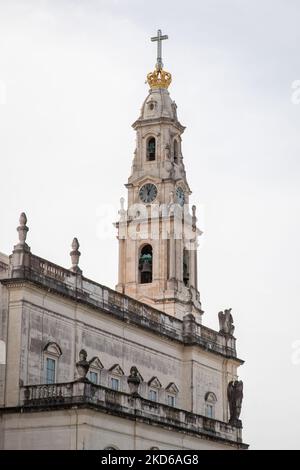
(146, 267)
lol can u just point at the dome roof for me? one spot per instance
(159, 104)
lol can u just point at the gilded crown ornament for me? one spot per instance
(159, 78)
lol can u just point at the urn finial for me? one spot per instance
(22, 229)
(75, 255)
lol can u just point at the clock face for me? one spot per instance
(148, 192)
(180, 196)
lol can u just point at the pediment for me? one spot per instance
(53, 348)
(210, 397)
(184, 185)
(116, 370)
(172, 388)
(154, 382)
(95, 363)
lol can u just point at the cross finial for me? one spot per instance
(159, 38)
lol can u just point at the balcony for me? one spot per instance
(85, 394)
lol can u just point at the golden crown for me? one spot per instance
(159, 78)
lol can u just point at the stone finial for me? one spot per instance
(75, 255)
(83, 366)
(22, 229)
(194, 218)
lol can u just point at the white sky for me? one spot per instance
(72, 79)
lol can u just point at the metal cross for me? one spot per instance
(159, 38)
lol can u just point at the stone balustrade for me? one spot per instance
(76, 286)
(60, 395)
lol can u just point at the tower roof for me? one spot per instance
(159, 104)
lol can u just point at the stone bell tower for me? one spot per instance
(157, 233)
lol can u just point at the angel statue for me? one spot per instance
(226, 322)
(235, 398)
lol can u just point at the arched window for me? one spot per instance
(185, 267)
(210, 401)
(175, 151)
(52, 353)
(151, 149)
(111, 448)
(145, 264)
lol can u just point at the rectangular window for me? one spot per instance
(50, 370)
(153, 395)
(94, 377)
(171, 400)
(114, 383)
(209, 411)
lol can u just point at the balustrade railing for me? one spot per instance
(75, 393)
(124, 307)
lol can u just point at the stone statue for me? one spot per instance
(167, 148)
(134, 381)
(83, 365)
(226, 322)
(235, 398)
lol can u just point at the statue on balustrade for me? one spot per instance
(235, 398)
(83, 365)
(226, 322)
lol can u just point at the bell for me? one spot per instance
(146, 267)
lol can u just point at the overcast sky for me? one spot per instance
(72, 81)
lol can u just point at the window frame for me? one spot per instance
(173, 399)
(151, 137)
(51, 351)
(48, 357)
(153, 391)
(96, 373)
(115, 380)
(210, 404)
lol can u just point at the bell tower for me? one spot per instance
(157, 233)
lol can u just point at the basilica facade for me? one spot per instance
(87, 367)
